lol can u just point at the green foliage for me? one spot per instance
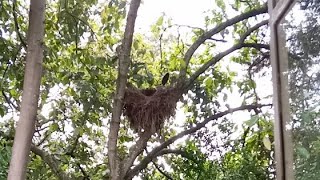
(303, 88)
(5, 155)
(79, 80)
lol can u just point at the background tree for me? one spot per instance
(303, 42)
(79, 99)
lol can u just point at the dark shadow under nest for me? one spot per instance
(147, 109)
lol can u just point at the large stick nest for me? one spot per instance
(147, 109)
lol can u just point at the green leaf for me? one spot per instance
(159, 21)
(2, 112)
(302, 151)
(267, 142)
(54, 127)
(252, 121)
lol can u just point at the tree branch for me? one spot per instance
(51, 162)
(161, 171)
(143, 164)
(250, 30)
(124, 62)
(16, 24)
(46, 157)
(219, 56)
(135, 150)
(10, 103)
(211, 62)
(214, 31)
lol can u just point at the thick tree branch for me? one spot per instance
(173, 151)
(214, 31)
(135, 150)
(143, 164)
(124, 62)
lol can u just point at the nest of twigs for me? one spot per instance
(147, 109)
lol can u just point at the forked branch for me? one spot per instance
(216, 30)
(233, 48)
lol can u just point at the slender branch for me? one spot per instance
(180, 152)
(143, 163)
(216, 30)
(84, 173)
(46, 157)
(218, 40)
(124, 62)
(252, 29)
(51, 162)
(161, 171)
(47, 134)
(211, 62)
(257, 45)
(16, 24)
(221, 55)
(8, 100)
(158, 168)
(218, 57)
(81, 20)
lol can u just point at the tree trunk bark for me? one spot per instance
(124, 62)
(31, 87)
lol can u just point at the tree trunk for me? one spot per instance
(33, 70)
(124, 62)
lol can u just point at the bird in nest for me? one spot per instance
(165, 79)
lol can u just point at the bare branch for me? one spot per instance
(216, 30)
(257, 45)
(143, 164)
(124, 62)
